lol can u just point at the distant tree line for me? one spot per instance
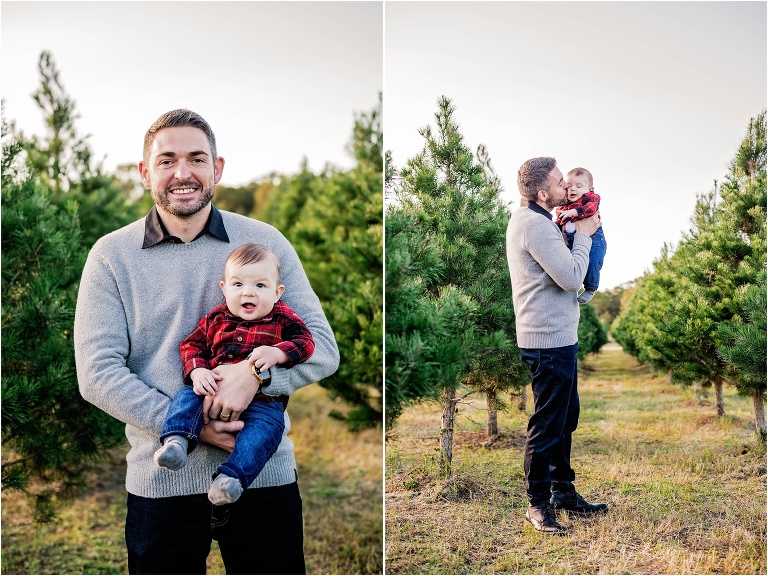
(700, 314)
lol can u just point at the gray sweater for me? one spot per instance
(545, 278)
(136, 305)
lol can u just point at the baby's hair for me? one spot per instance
(582, 172)
(252, 253)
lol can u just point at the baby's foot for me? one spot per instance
(173, 453)
(225, 490)
(585, 296)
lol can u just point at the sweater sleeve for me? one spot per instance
(567, 268)
(102, 349)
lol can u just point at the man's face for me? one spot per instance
(578, 186)
(557, 194)
(181, 172)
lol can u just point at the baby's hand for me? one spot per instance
(572, 213)
(203, 382)
(264, 357)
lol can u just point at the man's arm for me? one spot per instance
(567, 268)
(102, 348)
(101, 352)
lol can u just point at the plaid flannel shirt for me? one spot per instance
(222, 338)
(586, 206)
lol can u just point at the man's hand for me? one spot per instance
(264, 357)
(221, 434)
(589, 225)
(237, 387)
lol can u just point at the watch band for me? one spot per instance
(264, 378)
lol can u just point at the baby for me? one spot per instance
(583, 203)
(251, 325)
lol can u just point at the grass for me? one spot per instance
(340, 478)
(686, 489)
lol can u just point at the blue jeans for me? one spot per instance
(596, 257)
(261, 533)
(255, 443)
(556, 414)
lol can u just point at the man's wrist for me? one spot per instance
(264, 378)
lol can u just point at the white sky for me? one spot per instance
(276, 80)
(652, 97)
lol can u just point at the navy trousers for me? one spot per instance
(556, 415)
(261, 533)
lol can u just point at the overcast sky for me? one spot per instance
(276, 80)
(652, 97)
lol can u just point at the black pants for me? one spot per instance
(261, 533)
(555, 417)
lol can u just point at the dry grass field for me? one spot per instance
(686, 489)
(340, 478)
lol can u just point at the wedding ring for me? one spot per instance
(223, 416)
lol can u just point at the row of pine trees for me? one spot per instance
(700, 314)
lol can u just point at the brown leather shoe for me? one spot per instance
(542, 517)
(573, 502)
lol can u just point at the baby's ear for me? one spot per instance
(279, 291)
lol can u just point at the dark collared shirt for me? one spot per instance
(155, 232)
(536, 208)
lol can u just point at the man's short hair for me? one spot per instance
(534, 176)
(250, 254)
(178, 119)
(582, 172)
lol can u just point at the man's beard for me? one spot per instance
(551, 205)
(186, 209)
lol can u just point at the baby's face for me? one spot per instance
(251, 290)
(579, 185)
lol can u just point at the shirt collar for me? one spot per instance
(536, 208)
(155, 232)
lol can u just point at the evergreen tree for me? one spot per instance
(334, 220)
(744, 347)
(48, 431)
(686, 314)
(63, 162)
(450, 202)
(592, 332)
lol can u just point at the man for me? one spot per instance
(144, 288)
(545, 279)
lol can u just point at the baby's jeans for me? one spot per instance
(255, 443)
(596, 257)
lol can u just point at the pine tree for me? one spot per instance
(62, 161)
(448, 208)
(744, 347)
(49, 432)
(592, 332)
(334, 220)
(687, 314)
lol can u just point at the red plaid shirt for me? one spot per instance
(586, 206)
(222, 338)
